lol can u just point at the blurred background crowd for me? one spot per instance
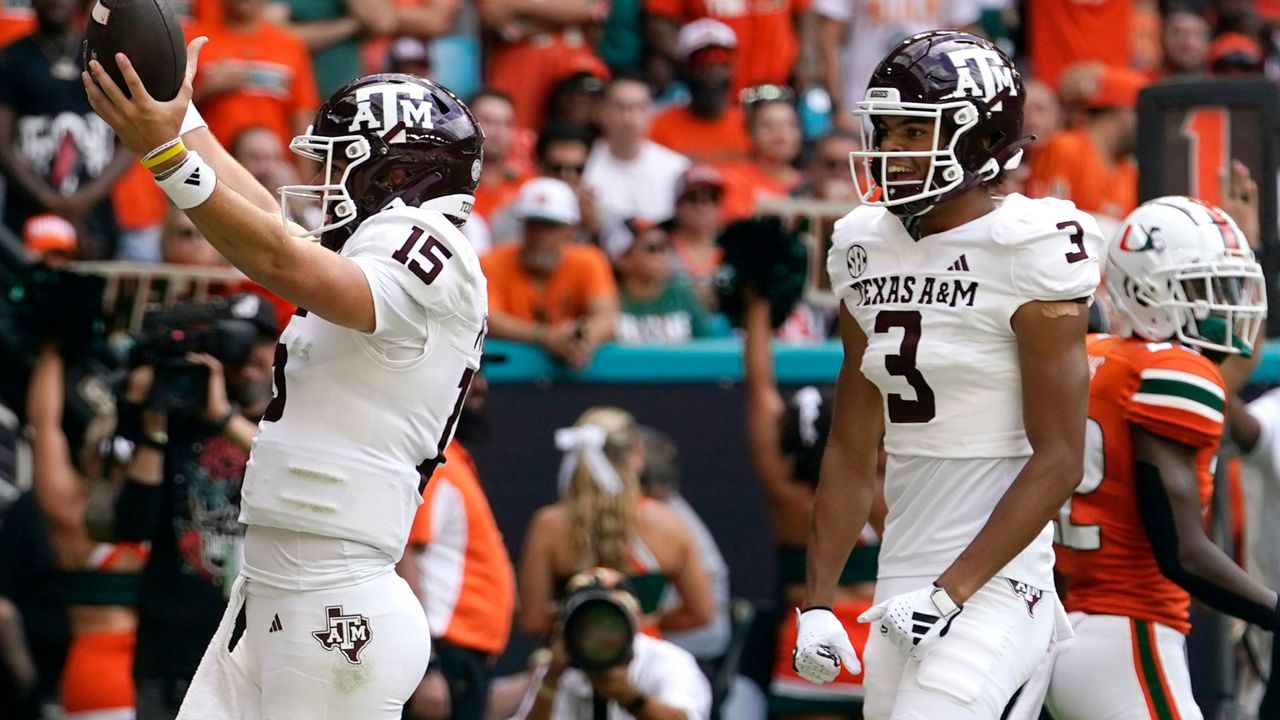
(631, 148)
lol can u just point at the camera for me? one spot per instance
(598, 628)
(181, 387)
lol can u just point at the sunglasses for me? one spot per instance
(561, 169)
(701, 196)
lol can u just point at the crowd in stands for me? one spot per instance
(622, 136)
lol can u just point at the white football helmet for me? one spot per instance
(1180, 268)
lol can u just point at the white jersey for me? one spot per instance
(936, 313)
(355, 414)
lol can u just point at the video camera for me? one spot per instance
(169, 334)
(598, 628)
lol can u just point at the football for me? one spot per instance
(148, 33)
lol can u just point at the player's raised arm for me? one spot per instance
(249, 237)
(1169, 501)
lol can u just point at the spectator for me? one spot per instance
(1061, 33)
(416, 20)
(658, 680)
(601, 519)
(711, 127)
(253, 72)
(1184, 41)
(774, 129)
(260, 151)
(694, 251)
(409, 55)
(332, 30)
(1235, 54)
(766, 31)
(458, 566)
(1091, 165)
(1042, 114)
(546, 289)
(188, 508)
(827, 172)
(537, 44)
(660, 480)
(51, 239)
(182, 243)
(562, 151)
(657, 306)
(69, 421)
(56, 155)
(853, 36)
(504, 170)
(572, 101)
(631, 176)
(786, 439)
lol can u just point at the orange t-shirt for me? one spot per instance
(138, 202)
(767, 43)
(1062, 32)
(1068, 166)
(584, 274)
(723, 139)
(16, 22)
(1102, 547)
(745, 183)
(498, 190)
(467, 578)
(280, 80)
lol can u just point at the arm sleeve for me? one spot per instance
(1055, 249)
(1180, 396)
(418, 267)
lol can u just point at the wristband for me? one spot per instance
(191, 183)
(164, 153)
(155, 440)
(192, 120)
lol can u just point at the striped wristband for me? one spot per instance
(163, 153)
(189, 184)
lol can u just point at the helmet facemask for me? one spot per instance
(322, 208)
(945, 177)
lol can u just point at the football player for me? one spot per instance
(1131, 543)
(963, 320)
(370, 377)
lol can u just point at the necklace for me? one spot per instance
(61, 54)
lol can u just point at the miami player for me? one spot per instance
(370, 377)
(1131, 544)
(963, 321)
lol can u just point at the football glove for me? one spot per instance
(822, 647)
(915, 621)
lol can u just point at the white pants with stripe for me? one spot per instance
(992, 648)
(1118, 668)
(345, 653)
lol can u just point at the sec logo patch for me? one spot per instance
(857, 260)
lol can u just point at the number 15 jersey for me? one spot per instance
(354, 414)
(936, 313)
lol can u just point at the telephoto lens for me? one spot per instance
(598, 629)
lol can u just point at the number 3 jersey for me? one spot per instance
(354, 414)
(936, 313)
(1104, 555)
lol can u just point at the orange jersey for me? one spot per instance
(1103, 551)
(1062, 32)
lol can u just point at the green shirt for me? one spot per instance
(674, 316)
(337, 64)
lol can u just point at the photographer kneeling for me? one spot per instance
(600, 668)
(191, 406)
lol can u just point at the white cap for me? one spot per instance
(704, 33)
(549, 200)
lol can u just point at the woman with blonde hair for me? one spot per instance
(603, 520)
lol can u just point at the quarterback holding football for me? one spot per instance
(963, 321)
(370, 377)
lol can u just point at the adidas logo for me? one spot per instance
(193, 179)
(961, 264)
(276, 625)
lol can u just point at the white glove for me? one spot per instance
(822, 647)
(915, 621)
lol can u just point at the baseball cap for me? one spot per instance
(408, 49)
(704, 33)
(699, 176)
(1116, 87)
(547, 200)
(1235, 51)
(49, 233)
(256, 310)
